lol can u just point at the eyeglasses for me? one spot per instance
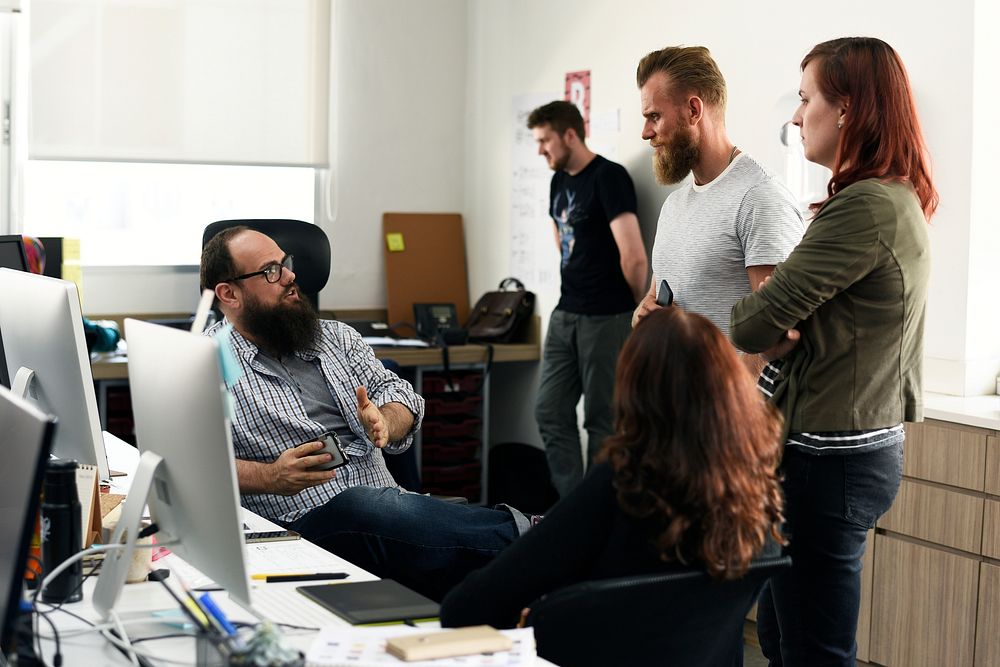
(271, 272)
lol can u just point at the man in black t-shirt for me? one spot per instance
(604, 274)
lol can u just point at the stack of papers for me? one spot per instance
(365, 647)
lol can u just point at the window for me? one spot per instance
(149, 213)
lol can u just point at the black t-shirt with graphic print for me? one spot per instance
(582, 207)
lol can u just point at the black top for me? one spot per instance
(582, 207)
(585, 536)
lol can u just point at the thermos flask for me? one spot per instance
(61, 531)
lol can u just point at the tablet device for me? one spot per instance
(382, 601)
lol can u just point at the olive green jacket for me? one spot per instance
(856, 288)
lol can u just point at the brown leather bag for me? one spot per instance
(500, 316)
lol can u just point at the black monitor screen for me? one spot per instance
(12, 253)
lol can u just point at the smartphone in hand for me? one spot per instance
(332, 446)
(665, 295)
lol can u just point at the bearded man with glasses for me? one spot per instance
(304, 377)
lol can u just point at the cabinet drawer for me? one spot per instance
(991, 529)
(993, 465)
(988, 623)
(923, 606)
(937, 515)
(947, 453)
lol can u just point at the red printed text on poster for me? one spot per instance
(578, 92)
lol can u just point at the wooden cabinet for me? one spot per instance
(988, 623)
(946, 453)
(991, 531)
(936, 593)
(924, 606)
(936, 514)
(993, 465)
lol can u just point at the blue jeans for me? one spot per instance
(808, 615)
(424, 543)
(579, 358)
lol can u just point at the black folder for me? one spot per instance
(382, 601)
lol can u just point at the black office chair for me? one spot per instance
(306, 242)
(682, 618)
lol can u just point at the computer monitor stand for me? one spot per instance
(22, 382)
(116, 562)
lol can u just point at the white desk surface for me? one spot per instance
(138, 600)
(981, 411)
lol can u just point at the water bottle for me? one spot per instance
(61, 531)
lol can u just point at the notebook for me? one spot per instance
(382, 601)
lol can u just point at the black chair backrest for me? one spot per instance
(306, 242)
(682, 618)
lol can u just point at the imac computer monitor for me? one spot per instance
(12, 253)
(179, 406)
(48, 363)
(27, 436)
(11, 257)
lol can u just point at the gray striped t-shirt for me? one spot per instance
(708, 234)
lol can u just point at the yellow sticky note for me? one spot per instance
(394, 241)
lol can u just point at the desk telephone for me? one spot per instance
(438, 323)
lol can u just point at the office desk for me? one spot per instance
(139, 600)
(116, 367)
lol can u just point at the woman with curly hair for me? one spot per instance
(687, 481)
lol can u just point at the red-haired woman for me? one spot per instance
(687, 480)
(844, 317)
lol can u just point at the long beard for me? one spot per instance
(674, 164)
(282, 329)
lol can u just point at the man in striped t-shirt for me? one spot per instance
(720, 234)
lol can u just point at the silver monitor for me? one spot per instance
(187, 463)
(27, 435)
(48, 362)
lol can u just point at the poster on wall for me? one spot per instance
(533, 255)
(578, 93)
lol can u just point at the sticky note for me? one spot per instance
(394, 241)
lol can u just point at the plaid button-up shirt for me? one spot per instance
(270, 417)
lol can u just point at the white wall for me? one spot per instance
(521, 47)
(399, 70)
(422, 108)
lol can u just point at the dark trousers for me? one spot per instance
(808, 616)
(424, 543)
(579, 358)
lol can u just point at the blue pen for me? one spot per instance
(213, 609)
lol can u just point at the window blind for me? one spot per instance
(211, 81)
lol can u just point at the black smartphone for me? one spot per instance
(331, 446)
(665, 296)
(270, 536)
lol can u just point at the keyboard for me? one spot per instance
(282, 604)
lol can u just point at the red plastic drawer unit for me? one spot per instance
(462, 381)
(466, 473)
(466, 427)
(456, 404)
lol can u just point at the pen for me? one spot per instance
(200, 623)
(315, 576)
(213, 609)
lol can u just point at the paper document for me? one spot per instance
(291, 557)
(365, 647)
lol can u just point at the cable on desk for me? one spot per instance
(124, 637)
